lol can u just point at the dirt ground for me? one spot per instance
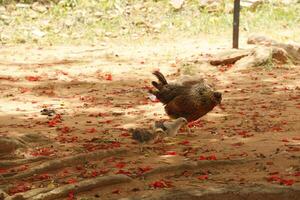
(98, 92)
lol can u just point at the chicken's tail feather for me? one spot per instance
(160, 77)
(157, 85)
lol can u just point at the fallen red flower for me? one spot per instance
(91, 130)
(43, 176)
(3, 170)
(287, 182)
(203, 177)
(55, 120)
(277, 179)
(171, 153)
(238, 144)
(65, 129)
(120, 165)
(23, 90)
(94, 173)
(116, 191)
(245, 134)
(127, 173)
(52, 123)
(32, 78)
(144, 169)
(43, 152)
(22, 168)
(125, 135)
(71, 181)
(185, 142)
(273, 178)
(71, 195)
(108, 77)
(212, 157)
(198, 124)
(297, 173)
(21, 187)
(161, 184)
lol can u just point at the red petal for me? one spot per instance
(171, 153)
(120, 165)
(108, 77)
(116, 191)
(203, 177)
(145, 169)
(71, 180)
(71, 195)
(91, 130)
(3, 170)
(185, 142)
(32, 78)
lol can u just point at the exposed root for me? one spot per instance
(229, 57)
(171, 168)
(194, 165)
(64, 162)
(211, 163)
(9, 163)
(29, 194)
(227, 193)
(81, 186)
(10, 144)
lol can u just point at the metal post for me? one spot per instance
(236, 21)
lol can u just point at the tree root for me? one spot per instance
(194, 165)
(29, 194)
(229, 57)
(226, 193)
(171, 168)
(63, 191)
(10, 163)
(64, 162)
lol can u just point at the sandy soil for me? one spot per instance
(100, 92)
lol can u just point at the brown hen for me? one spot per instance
(190, 99)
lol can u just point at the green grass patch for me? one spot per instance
(91, 21)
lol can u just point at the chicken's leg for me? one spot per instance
(188, 129)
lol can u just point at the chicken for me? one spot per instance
(160, 130)
(170, 128)
(143, 135)
(190, 99)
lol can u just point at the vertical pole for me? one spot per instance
(236, 22)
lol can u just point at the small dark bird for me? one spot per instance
(143, 135)
(190, 99)
(160, 130)
(48, 112)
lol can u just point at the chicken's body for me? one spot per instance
(190, 100)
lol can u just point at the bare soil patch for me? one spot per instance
(251, 141)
